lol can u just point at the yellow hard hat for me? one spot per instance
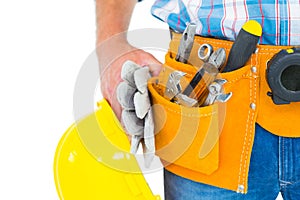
(92, 161)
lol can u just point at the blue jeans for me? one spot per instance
(274, 168)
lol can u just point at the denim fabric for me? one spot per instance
(274, 168)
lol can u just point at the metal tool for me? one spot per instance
(243, 46)
(186, 43)
(218, 58)
(204, 52)
(173, 90)
(214, 60)
(216, 93)
(207, 54)
(184, 100)
(173, 86)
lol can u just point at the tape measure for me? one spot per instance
(283, 76)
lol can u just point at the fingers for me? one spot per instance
(125, 95)
(132, 123)
(142, 104)
(140, 78)
(116, 106)
(149, 132)
(154, 65)
(127, 72)
(141, 97)
(135, 141)
(137, 115)
(155, 69)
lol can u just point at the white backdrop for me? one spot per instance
(43, 45)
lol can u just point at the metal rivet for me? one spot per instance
(253, 106)
(254, 69)
(241, 188)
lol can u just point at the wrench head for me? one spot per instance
(223, 97)
(215, 88)
(220, 81)
(205, 51)
(173, 86)
(216, 92)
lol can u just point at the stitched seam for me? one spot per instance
(246, 133)
(228, 45)
(213, 42)
(241, 175)
(245, 153)
(238, 78)
(251, 124)
(247, 127)
(267, 53)
(279, 159)
(268, 49)
(283, 162)
(191, 115)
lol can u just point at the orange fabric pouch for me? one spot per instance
(213, 144)
(188, 137)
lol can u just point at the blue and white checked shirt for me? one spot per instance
(280, 19)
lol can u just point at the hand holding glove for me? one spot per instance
(137, 116)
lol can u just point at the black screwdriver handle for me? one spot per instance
(244, 46)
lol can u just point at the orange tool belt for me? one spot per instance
(213, 144)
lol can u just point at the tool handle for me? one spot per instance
(244, 46)
(196, 79)
(197, 88)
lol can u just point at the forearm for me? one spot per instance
(113, 17)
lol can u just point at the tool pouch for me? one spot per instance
(186, 136)
(210, 144)
(213, 144)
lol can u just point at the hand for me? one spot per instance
(137, 115)
(111, 55)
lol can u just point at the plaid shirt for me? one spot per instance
(280, 19)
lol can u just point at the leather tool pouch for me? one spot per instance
(188, 137)
(200, 143)
(213, 144)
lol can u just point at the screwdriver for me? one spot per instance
(243, 46)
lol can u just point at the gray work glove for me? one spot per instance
(137, 116)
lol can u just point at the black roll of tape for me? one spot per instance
(283, 76)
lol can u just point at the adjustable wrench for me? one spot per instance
(173, 90)
(216, 93)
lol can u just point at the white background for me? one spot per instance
(43, 45)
